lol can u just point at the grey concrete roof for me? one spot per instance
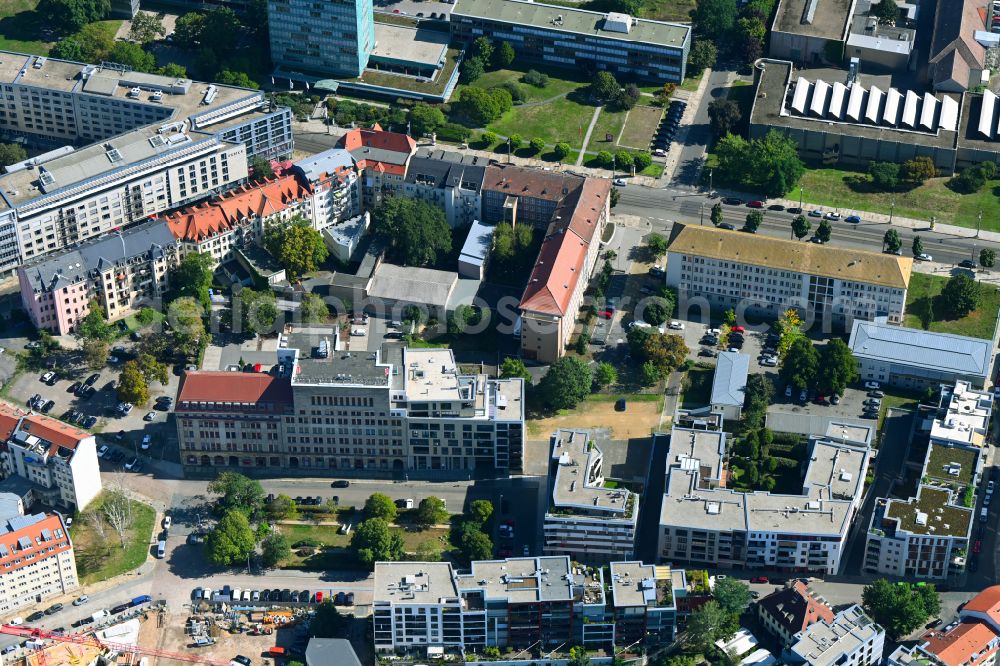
(327, 651)
(943, 352)
(829, 21)
(414, 583)
(72, 266)
(730, 382)
(823, 644)
(410, 284)
(327, 162)
(579, 476)
(441, 169)
(522, 580)
(403, 43)
(477, 243)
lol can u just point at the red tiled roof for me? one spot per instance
(249, 201)
(240, 387)
(987, 601)
(522, 182)
(54, 431)
(376, 137)
(16, 557)
(794, 608)
(960, 646)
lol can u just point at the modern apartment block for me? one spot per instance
(586, 520)
(644, 602)
(122, 272)
(451, 182)
(333, 178)
(155, 143)
(58, 462)
(627, 46)
(851, 639)
(323, 410)
(765, 276)
(37, 560)
(308, 36)
(963, 417)
(701, 521)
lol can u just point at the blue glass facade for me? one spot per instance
(329, 37)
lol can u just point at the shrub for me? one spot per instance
(535, 78)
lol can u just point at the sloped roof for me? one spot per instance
(523, 182)
(237, 387)
(987, 601)
(943, 352)
(39, 536)
(730, 382)
(958, 646)
(46, 428)
(954, 50)
(560, 261)
(381, 150)
(794, 608)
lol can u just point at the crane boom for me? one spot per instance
(93, 641)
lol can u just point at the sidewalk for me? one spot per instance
(693, 104)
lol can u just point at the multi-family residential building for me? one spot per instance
(234, 220)
(322, 38)
(569, 37)
(703, 521)
(451, 182)
(765, 276)
(786, 612)
(382, 157)
(58, 461)
(644, 602)
(321, 409)
(963, 417)
(121, 272)
(915, 359)
(586, 520)
(155, 143)
(37, 560)
(984, 607)
(973, 641)
(850, 639)
(332, 176)
(573, 210)
(927, 536)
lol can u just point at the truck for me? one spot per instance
(99, 615)
(144, 599)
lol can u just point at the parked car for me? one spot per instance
(732, 201)
(150, 416)
(755, 204)
(620, 182)
(726, 225)
(706, 352)
(53, 609)
(969, 263)
(48, 377)
(777, 207)
(103, 451)
(853, 219)
(832, 216)
(759, 579)
(621, 405)
(876, 394)
(923, 256)
(816, 213)
(340, 483)
(769, 361)
(677, 325)
(131, 464)
(873, 385)
(803, 396)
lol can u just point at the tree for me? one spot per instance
(431, 511)
(193, 276)
(729, 317)
(750, 33)
(274, 548)
(415, 231)
(884, 175)
(151, 369)
(297, 246)
(424, 118)
(188, 29)
(917, 246)
(837, 367)
(656, 245)
(514, 367)
(95, 353)
(327, 622)
(489, 138)
(187, 326)
(132, 385)
(537, 145)
(379, 505)
(119, 510)
(514, 142)
(566, 383)
(604, 87)
(708, 624)
(628, 97)
(373, 541)
(232, 541)
(703, 55)
(11, 153)
(258, 311)
(220, 30)
(605, 158)
(732, 595)
(649, 373)
(901, 607)
(770, 164)
(918, 170)
(624, 159)
(642, 160)
(260, 169)
(472, 69)
(824, 231)
(535, 78)
(800, 364)
(480, 511)
(174, 70)
(800, 226)
(605, 374)
(614, 197)
(960, 295)
(714, 18)
(71, 15)
(891, 241)
(504, 55)
(146, 27)
(476, 544)
(754, 219)
(282, 507)
(314, 309)
(656, 311)
(665, 351)
(482, 47)
(69, 48)
(724, 116)
(716, 215)
(133, 56)
(237, 493)
(236, 78)
(987, 258)
(561, 150)
(93, 325)
(578, 656)
(886, 11)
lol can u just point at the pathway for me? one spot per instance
(586, 138)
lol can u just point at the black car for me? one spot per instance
(265, 594)
(120, 608)
(776, 207)
(240, 659)
(621, 405)
(53, 609)
(91, 380)
(35, 617)
(284, 596)
(340, 483)
(165, 399)
(732, 201)
(74, 387)
(968, 263)
(795, 210)
(300, 500)
(304, 596)
(47, 407)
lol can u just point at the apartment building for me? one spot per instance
(963, 418)
(451, 182)
(702, 521)
(323, 410)
(786, 612)
(765, 276)
(36, 560)
(155, 143)
(973, 641)
(586, 520)
(914, 359)
(851, 638)
(627, 46)
(238, 218)
(58, 461)
(383, 159)
(122, 272)
(333, 178)
(321, 37)
(644, 602)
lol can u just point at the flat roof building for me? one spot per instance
(964, 417)
(915, 359)
(575, 38)
(850, 639)
(805, 31)
(642, 597)
(337, 41)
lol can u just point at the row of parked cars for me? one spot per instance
(233, 594)
(667, 130)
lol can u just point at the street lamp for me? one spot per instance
(892, 208)
(801, 190)
(979, 222)
(711, 182)
(702, 220)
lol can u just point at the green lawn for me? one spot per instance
(23, 30)
(100, 558)
(609, 122)
(839, 188)
(560, 82)
(640, 126)
(334, 548)
(559, 120)
(434, 87)
(926, 289)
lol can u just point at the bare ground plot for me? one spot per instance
(640, 126)
(637, 420)
(172, 638)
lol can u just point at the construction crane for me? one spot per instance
(93, 641)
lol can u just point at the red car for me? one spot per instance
(759, 579)
(755, 204)
(606, 314)
(976, 546)
(738, 329)
(508, 521)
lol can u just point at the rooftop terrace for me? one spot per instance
(931, 513)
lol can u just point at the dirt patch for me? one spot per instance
(636, 421)
(172, 637)
(640, 126)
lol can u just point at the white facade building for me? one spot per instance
(852, 639)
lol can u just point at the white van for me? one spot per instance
(983, 514)
(161, 549)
